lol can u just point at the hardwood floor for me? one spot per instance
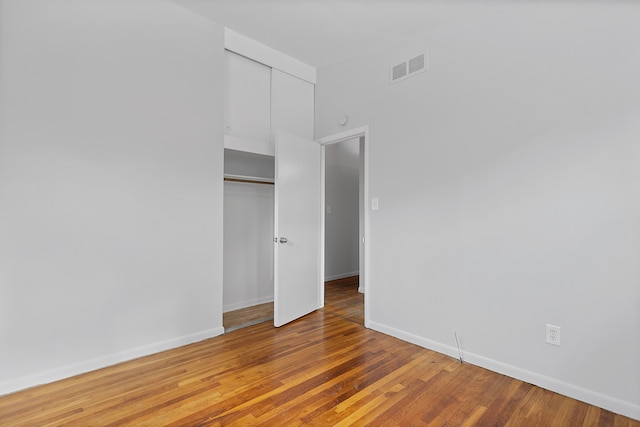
(341, 298)
(323, 369)
(248, 316)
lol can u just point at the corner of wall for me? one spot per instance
(628, 409)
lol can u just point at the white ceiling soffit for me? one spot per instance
(321, 32)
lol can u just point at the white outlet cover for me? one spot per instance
(554, 334)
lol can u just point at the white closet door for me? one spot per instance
(297, 227)
(291, 104)
(247, 99)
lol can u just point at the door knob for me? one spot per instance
(283, 240)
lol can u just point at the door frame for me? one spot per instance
(365, 279)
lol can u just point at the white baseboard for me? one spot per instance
(628, 409)
(71, 370)
(246, 303)
(341, 276)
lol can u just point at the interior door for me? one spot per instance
(297, 227)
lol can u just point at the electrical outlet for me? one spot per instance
(554, 335)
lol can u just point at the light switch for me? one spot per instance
(374, 204)
(328, 209)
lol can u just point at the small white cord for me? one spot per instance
(458, 345)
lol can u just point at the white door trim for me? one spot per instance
(365, 279)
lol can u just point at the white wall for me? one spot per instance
(509, 186)
(111, 147)
(342, 209)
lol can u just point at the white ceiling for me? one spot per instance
(321, 32)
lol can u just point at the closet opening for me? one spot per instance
(269, 103)
(248, 236)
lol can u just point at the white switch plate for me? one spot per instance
(374, 204)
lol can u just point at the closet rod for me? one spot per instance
(249, 180)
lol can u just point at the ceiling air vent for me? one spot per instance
(408, 68)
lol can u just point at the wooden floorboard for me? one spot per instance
(248, 316)
(324, 369)
(341, 298)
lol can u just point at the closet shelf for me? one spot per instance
(249, 179)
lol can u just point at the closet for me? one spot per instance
(259, 100)
(248, 229)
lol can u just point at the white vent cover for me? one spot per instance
(399, 71)
(408, 68)
(416, 64)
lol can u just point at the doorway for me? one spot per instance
(342, 230)
(345, 225)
